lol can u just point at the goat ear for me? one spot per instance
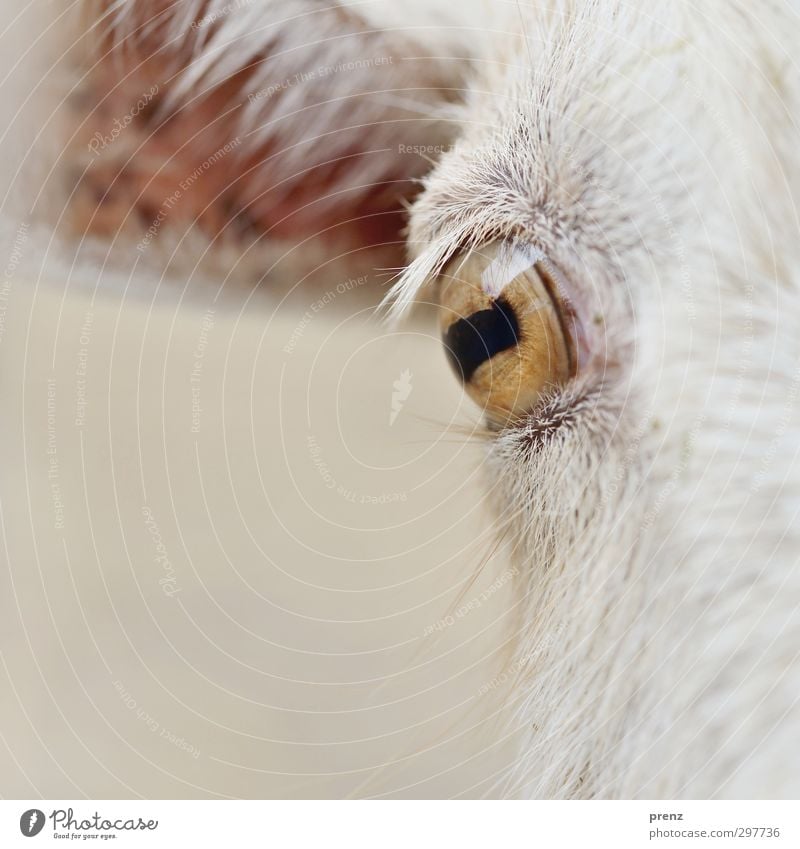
(285, 121)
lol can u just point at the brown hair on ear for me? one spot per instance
(252, 121)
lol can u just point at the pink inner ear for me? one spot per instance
(274, 145)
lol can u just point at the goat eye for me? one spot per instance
(505, 329)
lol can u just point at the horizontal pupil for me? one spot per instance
(470, 341)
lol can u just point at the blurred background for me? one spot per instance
(246, 552)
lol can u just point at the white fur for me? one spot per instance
(652, 154)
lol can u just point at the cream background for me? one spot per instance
(292, 654)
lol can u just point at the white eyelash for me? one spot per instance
(420, 272)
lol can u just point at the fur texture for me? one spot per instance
(651, 154)
(654, 503)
